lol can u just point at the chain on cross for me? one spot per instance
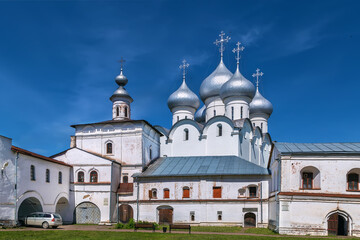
(221, 43)
(257, 75)
(237, 51)
(121, 61)
(183, 66)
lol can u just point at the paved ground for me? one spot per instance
(111, 229)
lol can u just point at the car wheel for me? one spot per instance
(45, 225)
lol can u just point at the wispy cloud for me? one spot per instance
(253, 35)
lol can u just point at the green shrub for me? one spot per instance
(119, 226)
(130, 224)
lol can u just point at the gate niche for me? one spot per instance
(87, 213)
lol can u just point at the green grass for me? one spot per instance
(210, 229)
(264, 231)
(90, 235)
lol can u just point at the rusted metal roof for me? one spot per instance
(125, 188)
(203, 166)
(289, 148)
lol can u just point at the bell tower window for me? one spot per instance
(117, 111)
(126, 112)
(109, 148)
(220, 130)
(232, 113)
(241, 112)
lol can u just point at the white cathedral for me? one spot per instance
(217, 166)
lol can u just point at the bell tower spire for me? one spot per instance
(121, 98)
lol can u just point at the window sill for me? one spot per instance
(349, 190)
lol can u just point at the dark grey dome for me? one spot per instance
(259, 104)
(201, 114)
(183, 97)
(121, 94)
(212, 84)
(121, 79)
(238, 85)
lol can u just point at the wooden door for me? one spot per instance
(165, 216)
(250, 220)
(333, 224)
(126, 212)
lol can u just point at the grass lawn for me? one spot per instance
(89, 235)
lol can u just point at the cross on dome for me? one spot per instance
(183, 66)
(121, 61)
(221, 43)
(237, 51)
(257, 75)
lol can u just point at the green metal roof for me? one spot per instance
(287, 148)
(203, 166)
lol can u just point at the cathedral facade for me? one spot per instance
(217, 165)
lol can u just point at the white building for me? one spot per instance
(216, 165)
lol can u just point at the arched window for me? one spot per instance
(32, 173)
(117, 111)
(214, 113)
(186, 192)
(178, 118)
(81, 176)
(232, 113)
(47, 175)
(153, 193)
(310, 178)
(186, 134)
(353, 181)
(93, 176)
(252, 191)
(166, 193)
(109, 148)
(126, 112)
(60, 178)
(241, 112)
(150, 153)
(125, 179)
(220, 130)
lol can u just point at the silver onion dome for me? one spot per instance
(212, 84)
(238, 85)
(200, 114)
(259, 104)
(183, 96)
(121, 94)
(121, 79)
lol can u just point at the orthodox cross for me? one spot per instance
(237, 51)
(221, 42)
(257, 75)
(121, 61)
(183, 66)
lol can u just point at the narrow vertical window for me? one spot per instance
(153, 193)
(185, 117)
(166, 193)
(117, 111)
(32, 173)
(186, 134)
(109, 148)
(307, 179)
(126, 112)
(125, 179)
(261, 126)
(150, 153)
(93, 177)
(178, 118)
(186, 192)
(47, 177)
(214, 113)
(216, 192)
(241, 112)
(192, 216)
(219, 214)
(232, 113)
(220, 130)
(353, 181)
(252, 191)
(81, 176)
(60, 178)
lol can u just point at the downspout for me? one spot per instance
(111, 191)
(16, 163)
(261, 203)
(137, 199)
(117, 207)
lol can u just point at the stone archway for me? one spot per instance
(87, 212)
(126, 212)
(250, 220)
(62, 208)
(28, 206)
(338, 224)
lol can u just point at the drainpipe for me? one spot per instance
(117, 207)
(261, 203)
(137, 199)
(111, 190)
(16, 163)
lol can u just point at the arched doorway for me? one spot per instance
(165, 214)
(250, 220)
(126, 212)
(62, 208)
(87, 213)
(338, 224)
(28, 206)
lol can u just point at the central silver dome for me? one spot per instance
(212, 84)
(259, 104)
(183, 97)
(238, 85)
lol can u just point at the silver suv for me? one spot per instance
(44, 219)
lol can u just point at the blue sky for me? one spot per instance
(58, 61)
